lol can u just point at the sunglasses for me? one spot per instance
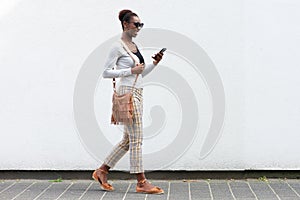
(138, 24)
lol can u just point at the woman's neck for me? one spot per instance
(126, 38)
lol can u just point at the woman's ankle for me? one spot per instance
(140, 177)
(104, 167)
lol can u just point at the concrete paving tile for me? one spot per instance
(179, 190)
(245, 198)
(283, 190)
(262, 190)
(93, 191)
(220, 190)
(217, 181)
(200, 190)
(54, 190)
(15, 189)
(5, 184)
(295, 186)
(292, 181)
(241, 190)
(75, 191)
(120, 190)
(34, 190)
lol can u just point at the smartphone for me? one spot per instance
(162, 50)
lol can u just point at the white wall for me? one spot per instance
(252, 44)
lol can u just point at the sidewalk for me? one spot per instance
(174, 189)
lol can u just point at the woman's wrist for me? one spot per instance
(133, 71)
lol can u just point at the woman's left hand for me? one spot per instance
(157, 57)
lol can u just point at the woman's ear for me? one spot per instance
(125, 24)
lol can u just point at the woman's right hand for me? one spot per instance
(138, 69)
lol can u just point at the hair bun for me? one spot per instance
(122, 14)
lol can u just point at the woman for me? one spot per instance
(126, 70)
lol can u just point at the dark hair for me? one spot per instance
(125, 15)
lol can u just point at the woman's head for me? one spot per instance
(130, 22)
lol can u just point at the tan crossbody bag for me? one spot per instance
(122, 105)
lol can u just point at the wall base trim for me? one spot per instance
(159, 175)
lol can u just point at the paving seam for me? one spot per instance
(210, 192)
(103, 195)
(126, 191)
(65, 191)
(292, 188)
(251, 190)
(273, 191)
(169, 188)
(43, 191)
(190, 195)
(85, 191)
(230, 190)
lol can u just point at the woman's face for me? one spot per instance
(133, 27)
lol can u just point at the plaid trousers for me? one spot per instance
(132, 136)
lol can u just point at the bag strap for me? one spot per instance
(134, 58)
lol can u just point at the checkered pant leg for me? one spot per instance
(133, 136)
(118, 151)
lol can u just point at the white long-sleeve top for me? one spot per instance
(119, 59)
